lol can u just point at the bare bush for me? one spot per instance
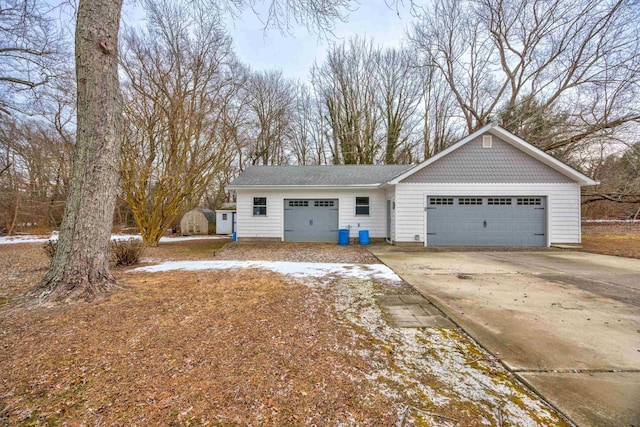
(126, 252)
(121, 252)
(50, 247)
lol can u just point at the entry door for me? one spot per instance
(486, 221)
(311, 220)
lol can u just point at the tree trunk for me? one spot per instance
(80, 268)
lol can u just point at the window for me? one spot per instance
(224, 217)
(259, 206)
(529, 201)
(439, 201)
(498, 201)
(298, 203)
(470, 201)
(323, 203)
(362, 206)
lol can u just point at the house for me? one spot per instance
(198, 221)
(489, 189)
(225, 220)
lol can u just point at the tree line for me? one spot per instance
(562, 75)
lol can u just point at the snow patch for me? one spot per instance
(294, 269)
(8, 240)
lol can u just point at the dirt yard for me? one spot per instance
(241, 347)
(620, 239)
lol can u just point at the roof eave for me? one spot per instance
(545, 158)
(306, 187)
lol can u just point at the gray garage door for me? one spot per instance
(486, 221)
(311, 220)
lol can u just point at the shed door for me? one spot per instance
(311, 220)
(486, 221)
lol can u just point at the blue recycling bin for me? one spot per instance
(234, 237)
(363, 237)
(343, 237)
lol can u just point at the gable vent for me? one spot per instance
(487, 141)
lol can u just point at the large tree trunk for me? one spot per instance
(80, 268)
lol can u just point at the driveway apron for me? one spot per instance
(566, 323)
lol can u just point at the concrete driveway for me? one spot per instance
(567, 323)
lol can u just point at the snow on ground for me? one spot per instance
(8, 240)
(294, 269)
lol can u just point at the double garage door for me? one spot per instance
(311, 220)
(486, 221)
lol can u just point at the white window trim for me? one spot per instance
(368, 205)
(253, 205)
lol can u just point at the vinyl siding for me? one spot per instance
(271, 225)
(502, 163)
(563, 201)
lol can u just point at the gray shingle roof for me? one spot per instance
(331, 175)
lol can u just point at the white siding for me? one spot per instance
(272, 225)
(563, 201)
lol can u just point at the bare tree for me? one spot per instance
(578, 58)
(36, 156)
(30, 52)
(178, 88)
(346, 85)
(399, 88)
(271, 103)
(619, 174)
(301, 139)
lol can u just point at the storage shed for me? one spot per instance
(225, 221)
(198, 221)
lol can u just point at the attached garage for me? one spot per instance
(488, 189)
(486, 221)
(311, 220)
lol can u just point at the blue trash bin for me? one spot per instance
(235, 238)
(363, 237)
(343, 237)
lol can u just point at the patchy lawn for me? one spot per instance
(620, 239)
(241, 346)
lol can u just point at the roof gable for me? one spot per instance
(502, 172)
(500, 164)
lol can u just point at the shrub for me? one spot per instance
(126, 252)
(50, 247)
(121, 252)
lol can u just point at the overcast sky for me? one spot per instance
(295, 54)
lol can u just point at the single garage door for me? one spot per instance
(486, 221)
(311, 220)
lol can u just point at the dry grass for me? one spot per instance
(221, 347)
(619, 239)
(241, 347)
(302, 252)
